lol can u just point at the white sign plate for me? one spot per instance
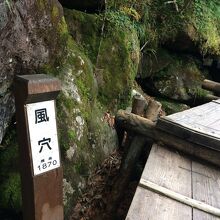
(43, 136)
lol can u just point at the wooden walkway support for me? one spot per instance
(175, 187)
(181, 179)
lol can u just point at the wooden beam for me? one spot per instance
(153, 110)
(136, 123)
(143, 126)
(139, 104)
(178, 197)
(211, 86)
(198, 135)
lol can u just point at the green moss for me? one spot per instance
(10, 191)
(72, 134)
(198, 93)
(41, 4)
(86, 30)
(180, 79)
(206, 20)
(55, 12)
(10, 185)
(111, 41)
(171, 107)
(164, 21)
(118, 58)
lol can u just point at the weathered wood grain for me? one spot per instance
(203, 119)
(200, 125)
(179, 197)
(161, 168)
(139, 104)
(201, 138)
(147, 205)
(200, 215)
(132, 122)
(153, 110)
(217, 101)
(206, 188)
(196, 183)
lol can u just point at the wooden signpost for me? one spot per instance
(41, 171)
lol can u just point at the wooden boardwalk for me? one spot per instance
(176, 186)
(200, 125)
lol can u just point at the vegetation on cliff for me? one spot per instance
(97, 58)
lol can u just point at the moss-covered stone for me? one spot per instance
(84, 139)
(86, 31)
(177, 78)
(153, 61)
(113, 47)
(171, 107)
(198, 20)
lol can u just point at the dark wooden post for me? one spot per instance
(41, 171)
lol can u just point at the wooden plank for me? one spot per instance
(203, 119)
(149, 205)
(179, 198)
(162, 168)
(206, 188)
(217, 101)
(200, 125)
(139, 125)
(200, 138)
(182, 177)
(200, 215)
(201, 152)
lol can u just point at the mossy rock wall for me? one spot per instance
(177, 77)
(198, 20)
(114, 49)
(96, 57)
(85, 139)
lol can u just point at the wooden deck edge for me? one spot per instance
(188, 134)
(142, 126)
(178, 197)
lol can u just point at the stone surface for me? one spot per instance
(34, 39)
(114, 49)
(7, 108)
(175, 77)
(181, 80)
(26, 30)
(153, 62)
